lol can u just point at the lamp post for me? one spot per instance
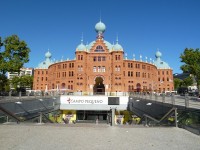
(18, 86)
(79, 85)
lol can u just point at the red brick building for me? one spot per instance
(101, 67)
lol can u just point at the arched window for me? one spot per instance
(99, 69)
(99, 48)
(62, 85)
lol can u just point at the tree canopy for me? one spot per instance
(182, 83)
(191, 59)
(22, 82)
(13, 54)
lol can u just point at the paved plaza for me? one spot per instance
(95, 137)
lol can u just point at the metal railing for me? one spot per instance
(26, 96)
(185, 101)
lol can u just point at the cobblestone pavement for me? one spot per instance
(94, 137)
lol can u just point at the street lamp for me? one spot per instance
(79, 85)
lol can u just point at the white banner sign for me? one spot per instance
(83, 100)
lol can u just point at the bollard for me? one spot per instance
(176, 121)
(40, 118)
(20, 94)
(10, 94)
(113, 117)
(186, 101)
(163, 98)
(7, 119)
(173, 99)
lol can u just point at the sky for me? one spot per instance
(142, 26)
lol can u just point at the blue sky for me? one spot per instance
(142, 26)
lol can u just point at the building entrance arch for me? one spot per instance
(138, 86)
(99, 87)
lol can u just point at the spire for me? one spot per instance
(100, 16)
(82, 38)
(117, 39)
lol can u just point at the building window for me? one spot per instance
(130, 73)
(119, 57)
(103, 69)
(99, 58)
(137, 74)
(99, 69)
(117, 68)
(130, 65)
(103, 58)
(137, 66)
(94, 58)
(99, 48)
(94, 69)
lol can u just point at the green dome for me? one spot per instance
(100, 27)
(48, 54)
(81, 47)
(158, 54)
(160, 64)
(117, 46)
(47, 62)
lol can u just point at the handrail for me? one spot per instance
(9, 113)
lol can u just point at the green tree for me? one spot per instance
(26, 81)
(15, 82)
(187, 81)
(22, 82)
(15, 53)
(191, 60)
(177, 83)
(3, 83)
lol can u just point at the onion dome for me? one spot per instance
(48, 54)
(47, 62)
(81, 47)
(100, 27)
(117, 46)
(158, 54)
(159, 63)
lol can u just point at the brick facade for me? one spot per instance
(100, 69)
